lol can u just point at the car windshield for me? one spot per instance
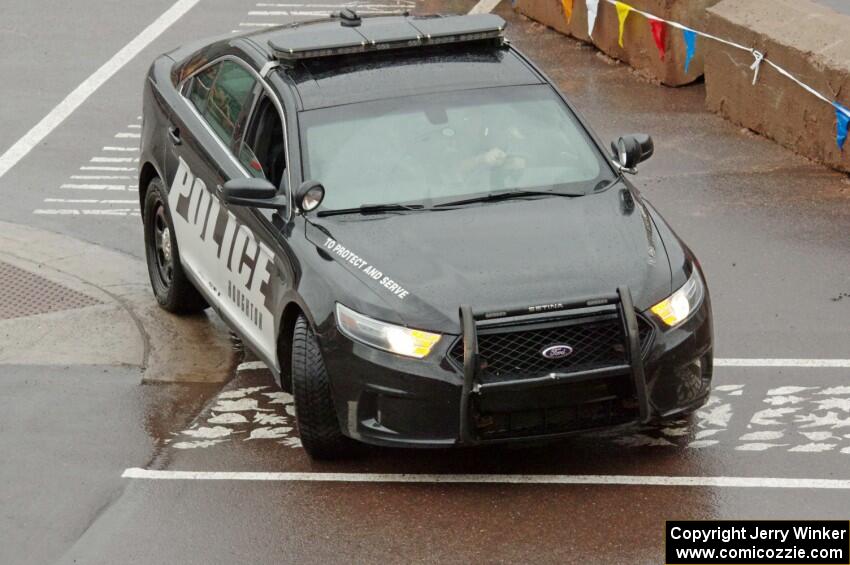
(439, 147)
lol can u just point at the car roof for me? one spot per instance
(351, 78)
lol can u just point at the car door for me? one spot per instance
(262, 151)
(217, 243)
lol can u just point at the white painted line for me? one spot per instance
(484, 6)
(258, 24)
(94, 186)
(86, 212)
(799, 363)
(111, 148)
(127, 134)
(99, 168)
(86, 88)
(102, 177)
(52, 212)
(115, 212)
(313, 13)
(631, 480)
(134, 126)
(337, 6)
(251, 366)
(88, 201)
(112, 159)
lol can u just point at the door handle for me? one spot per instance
(174, 134)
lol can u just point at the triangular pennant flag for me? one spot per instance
(622, 13)
(690, 45)
(568, 9)
(659, 33)
(842, 114)
(592, 10)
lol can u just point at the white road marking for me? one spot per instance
(629, 480)
(111, 148)
(86, 88)
(75, 212)
(102, 177)
(801, 363)
(101, 168)
(135, 126)
(313, 13)
(88, 201)
(336, 6)
(127, 134)
(113, 160)
(94, 186)
(250, 366)
(55, 212)
(258, 24)
(484, 6)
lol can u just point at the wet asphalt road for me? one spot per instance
(769, 227)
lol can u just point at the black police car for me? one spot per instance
(413, 228)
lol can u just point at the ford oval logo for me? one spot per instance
(557, 351)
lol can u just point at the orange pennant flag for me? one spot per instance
(568, 9)
(622, 13)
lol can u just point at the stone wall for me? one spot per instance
(805, 38)
(639, 49)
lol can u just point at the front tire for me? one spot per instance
(314, 408)
(172, 288)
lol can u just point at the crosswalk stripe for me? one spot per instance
(101, 168)
(74, 186)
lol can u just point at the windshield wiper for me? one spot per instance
(372, 209)
(497, 196)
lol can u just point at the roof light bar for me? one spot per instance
(329, 38)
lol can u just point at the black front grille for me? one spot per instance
(511, 353)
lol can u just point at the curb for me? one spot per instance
(122, 325)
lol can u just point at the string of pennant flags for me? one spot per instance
(658, 28)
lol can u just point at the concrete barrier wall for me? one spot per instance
(805, 38)
(639, 49)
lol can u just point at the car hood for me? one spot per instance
(499, 256)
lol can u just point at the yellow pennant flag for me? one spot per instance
(568, 9)
(622, 13)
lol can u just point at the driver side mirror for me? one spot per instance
(254, 192)
(632, 149)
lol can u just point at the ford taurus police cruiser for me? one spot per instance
(419, 235)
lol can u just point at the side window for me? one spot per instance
(227, 99)
(199, 89)
(262, 151)
(221, 93)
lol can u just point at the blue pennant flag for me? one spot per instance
(691, 45)
(842, 114)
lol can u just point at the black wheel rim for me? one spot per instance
(163, 246)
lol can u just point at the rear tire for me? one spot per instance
(172, 288)
(315, 414)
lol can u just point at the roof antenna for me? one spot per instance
(349, 18)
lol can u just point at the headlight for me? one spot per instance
(676, 308)
(389, 337)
